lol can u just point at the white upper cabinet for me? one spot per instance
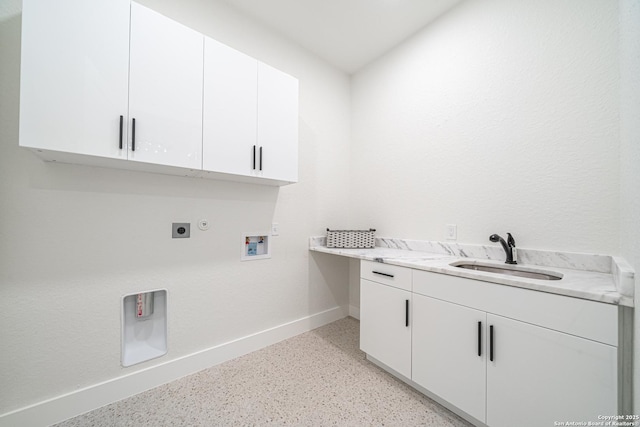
(277, 156)
(230, 109)
(250, 116)
(165, 95)
(74, 76)
(112, 83)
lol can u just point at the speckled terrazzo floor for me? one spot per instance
(318, 378)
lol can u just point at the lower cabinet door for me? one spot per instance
(449, 356)
(538, 376)
(385, 325)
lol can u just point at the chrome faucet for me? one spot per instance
(509, 247)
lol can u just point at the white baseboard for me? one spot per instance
(78, 402)
(354, 312)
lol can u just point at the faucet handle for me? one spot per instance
(512, 247)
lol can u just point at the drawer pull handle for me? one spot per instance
(383, 274)
(491, 343)
(479, 338)
(254, 158)
(121, 126)
(133, 135)
(406, 313)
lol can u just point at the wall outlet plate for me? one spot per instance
(181, 230)
(451, 231)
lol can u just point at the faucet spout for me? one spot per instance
(508, 246)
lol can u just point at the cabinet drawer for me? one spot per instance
(588, 319)
(392, 275)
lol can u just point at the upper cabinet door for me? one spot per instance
(230, 109)
(277, 124)
(165, 96)
(74, 76)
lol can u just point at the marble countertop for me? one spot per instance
(599, 285)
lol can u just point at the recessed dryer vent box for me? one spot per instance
(144, 326)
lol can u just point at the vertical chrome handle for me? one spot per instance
(406, 313)
(479, 338)
(121, 125)
(491, 343)
(260, 158)
(133, 134)
(254, 157)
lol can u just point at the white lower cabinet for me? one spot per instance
(385, 332)
(539, 376)
(500, 370)
(449, 357)
(385, 314)
(505, 356)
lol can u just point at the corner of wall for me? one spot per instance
(629, 14)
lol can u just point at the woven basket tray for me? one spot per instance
(351, 239)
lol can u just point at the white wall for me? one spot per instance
(630, 158)
(74, 239)
(501, 116)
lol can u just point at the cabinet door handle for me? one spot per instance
(133, 134)
(121, 125)
(254, 157)
(479, 338)
(260, 158)
(491, 343)
(406, 313)
(383, 274)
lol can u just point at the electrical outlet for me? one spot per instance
(180, 230)
(275, 229)
(451, 231)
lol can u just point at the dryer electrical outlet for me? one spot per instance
(180, 230)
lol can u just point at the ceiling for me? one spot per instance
(346, 33)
